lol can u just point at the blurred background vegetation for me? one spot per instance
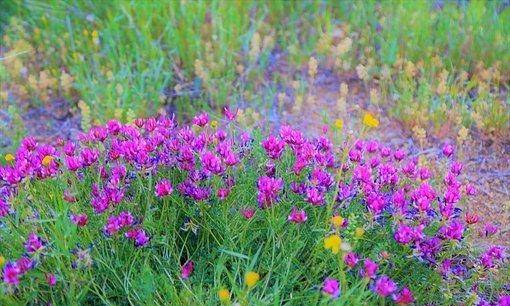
(123, 59)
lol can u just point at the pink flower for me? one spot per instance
(504, 300)
(69, 197)
(404, 297)
(164, 188)
(370, 268)
(404, 234)
(471, 190)
(297, 216)
(139, 236)
(471, 218)
(112, 226)
(89, 156)
(223, 193)
(5, 208)
(24, 264)
(385, 152)
(355, 155)
(372, 146)
(399, 154)
(212, 163)
(452, 231)
(11, 274)
(187, 269)
(331, 287)
(448, 150)
(201, 119)
(113, 126)
(33, 243)
(314, 196)
(51, 279)
(80, 219)
(489, 229)
(273, 146)
(98, 133)
(230, 115)
(351, 259)
(425, 173)
(73, 163)
(384, 286)
(268, 190)
(126, 219)
(248, 213)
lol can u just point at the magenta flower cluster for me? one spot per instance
(203, 163)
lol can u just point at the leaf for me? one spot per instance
(235, 254)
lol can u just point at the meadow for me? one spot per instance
(254, 153)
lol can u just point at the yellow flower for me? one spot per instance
(359, 232)
(224, 295)
(214, 124)
(339, 124)
(337, 221)
(370, 121)
(9, 157)
(333, 243)
(47, 160)
(2, 260)
(251, 278)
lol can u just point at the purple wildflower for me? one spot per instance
(384, 286)
(297, 216)
(164, 188)
(331, 287)
(268, 190)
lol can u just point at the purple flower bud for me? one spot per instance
(248, 213)
(187, 269)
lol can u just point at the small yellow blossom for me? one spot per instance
(339, 124)
(46, 161)
(251, 278)
(337, 221)
(224, 295)
(359, 232)
(9, 157)
(214, 124)
(370, 121)
(333, 243)
(2, 260)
